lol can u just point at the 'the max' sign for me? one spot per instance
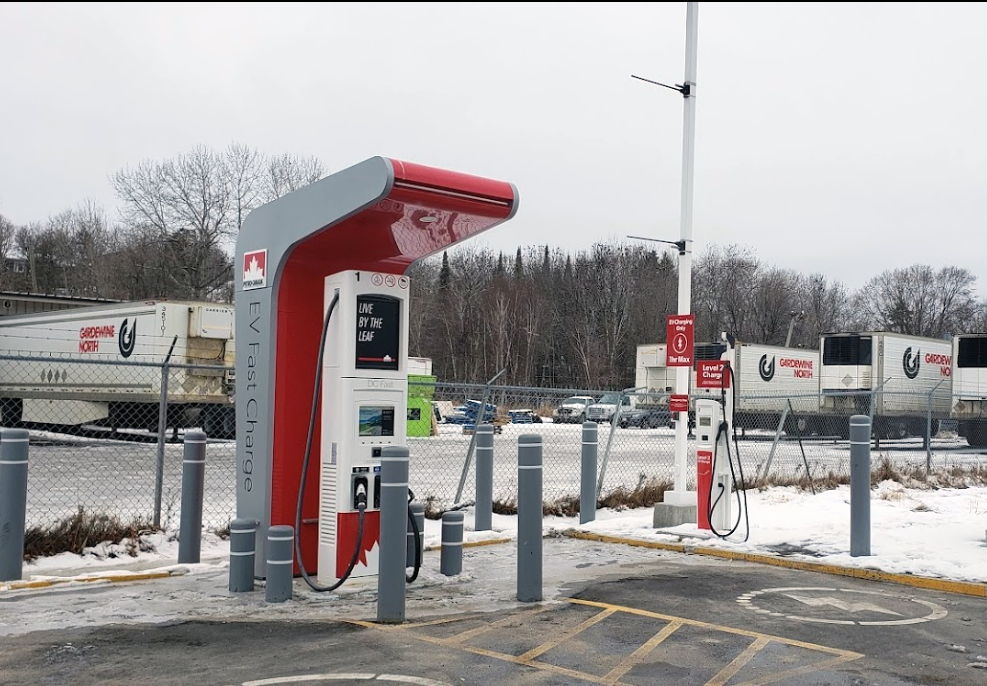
(678, 333)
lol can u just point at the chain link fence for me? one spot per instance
(98, 441)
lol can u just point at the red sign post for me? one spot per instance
(678, 334)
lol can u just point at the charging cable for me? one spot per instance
(741, 492)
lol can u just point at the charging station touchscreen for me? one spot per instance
(378, 332)
(377, 421)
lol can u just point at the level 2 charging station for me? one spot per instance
(322, 300)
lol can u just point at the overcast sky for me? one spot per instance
(842, 139)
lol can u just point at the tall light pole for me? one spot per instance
(679, 497)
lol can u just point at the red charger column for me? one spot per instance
(704, 481)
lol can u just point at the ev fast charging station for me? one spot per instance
(322, 346)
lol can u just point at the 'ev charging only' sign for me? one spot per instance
(678, 334)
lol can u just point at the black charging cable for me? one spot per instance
(741, 492)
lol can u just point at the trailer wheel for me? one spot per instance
(976, 435)
(894, 429)
(219, 422)
(10, 411)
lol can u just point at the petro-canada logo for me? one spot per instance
(911, 362)
(254, 269)
(127, 337)
(766, 370)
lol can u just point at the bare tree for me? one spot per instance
(196, 203)
(920, 301)
(285, 173)
(7, 233)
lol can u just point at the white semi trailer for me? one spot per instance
(969, 375)
(767, 378)
(101, 366)
(908, 378)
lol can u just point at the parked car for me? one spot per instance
(573, 410)
(645, 419)
(523, 417)
(605, 408)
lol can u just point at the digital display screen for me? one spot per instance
(378, 332)
(704, 421)
(377, 421)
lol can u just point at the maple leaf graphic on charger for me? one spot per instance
(254, 272)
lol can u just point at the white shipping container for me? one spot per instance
(766, 376)
(73, 385)
(909, 376)
(969, 376)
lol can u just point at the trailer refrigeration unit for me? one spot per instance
(767, 378)
(969, 375)
(88, 367)
(908, 378)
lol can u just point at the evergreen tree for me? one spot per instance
(445, 273)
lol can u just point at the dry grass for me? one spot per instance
(647, 492)
(75, 533)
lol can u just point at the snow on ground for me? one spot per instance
(936, 533)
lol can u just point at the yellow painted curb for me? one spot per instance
(960, 587)
(474, 544)
(47, 583)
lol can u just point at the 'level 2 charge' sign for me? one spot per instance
(679, 328)
(712, 374)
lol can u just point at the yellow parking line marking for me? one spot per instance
(115, 578)
(738, 663)
(616, 674)
(479, 631)
(545, 647)
(565, 671)
(978, 590)
(798, 671)
(612, 678)
(718, 627)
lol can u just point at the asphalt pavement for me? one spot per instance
(611, 614)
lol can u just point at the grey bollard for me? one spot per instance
(484, 478)
(193, 480)
(587, 478)
(243, 538)
(451, 562)
(859, 485)
(13, 502)
(393, 533)
(280, 558)
(529, 518)
(418, 512)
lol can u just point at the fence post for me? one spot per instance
(613, 428)
(859, 485)
(928, 429)
(529, 518)
(162, 434)
(193, 479)
(587, 473)
(13, 501)
(479, 418)
(484, 478)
